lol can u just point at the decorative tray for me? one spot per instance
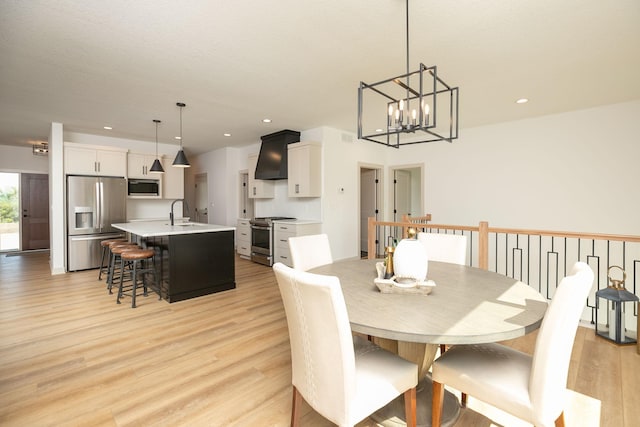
(399, 286)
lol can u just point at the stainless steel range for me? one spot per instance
(262, 239)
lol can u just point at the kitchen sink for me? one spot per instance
(183, 224)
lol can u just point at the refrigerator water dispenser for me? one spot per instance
(84, 217)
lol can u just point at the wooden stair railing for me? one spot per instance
(484, 232)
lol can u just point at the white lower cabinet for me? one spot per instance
(282, 230)
(243, 238)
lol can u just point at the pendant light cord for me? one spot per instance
(157, 121)
(407, 22)
(408, 78)
(181, 126)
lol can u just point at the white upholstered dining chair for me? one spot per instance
(445, 247)
(442, 247)
(310, 251)
(344, 378)
(532, 388)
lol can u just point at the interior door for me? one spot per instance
(34, 192)
(402, 193)
(369, 198)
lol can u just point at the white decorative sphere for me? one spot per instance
(410, 260)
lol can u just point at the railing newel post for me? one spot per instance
(483, 245)
(371, 231)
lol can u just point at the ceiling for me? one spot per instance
(122, 63)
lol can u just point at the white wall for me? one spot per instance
(575, 171)
(343, 155)
(222, 168)
(21, 159)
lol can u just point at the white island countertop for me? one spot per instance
(164, 228)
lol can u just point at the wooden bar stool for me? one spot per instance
(116, 249)
(106, 254)
(138, 258)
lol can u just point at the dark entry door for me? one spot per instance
(34, 198)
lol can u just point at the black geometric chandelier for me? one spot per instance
(411, 108)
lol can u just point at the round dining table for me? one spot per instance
(467, 305)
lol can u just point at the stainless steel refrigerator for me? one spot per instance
(93, 204)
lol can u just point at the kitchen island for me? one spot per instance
(192, 259)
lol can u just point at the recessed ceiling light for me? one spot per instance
(266, 120)
(107, 127)
(177, 137)
(226, 134)
(522, 101)
(378, 130)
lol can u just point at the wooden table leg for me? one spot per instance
(420, 354)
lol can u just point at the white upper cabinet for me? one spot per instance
(258, 188)
(92, 160)
(139, 165)
(305, 169)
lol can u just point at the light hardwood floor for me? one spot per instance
(69, 355)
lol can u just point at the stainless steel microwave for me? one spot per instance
(144, 187)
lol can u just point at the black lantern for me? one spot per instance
(619, 301)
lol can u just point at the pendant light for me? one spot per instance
(181, 160)
(401, 112)
(156, 167)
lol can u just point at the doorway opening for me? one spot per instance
(24, 211)
(201, 210)
(246, 207)
(370, 204)
(9, 212)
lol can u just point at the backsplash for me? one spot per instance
(152, 209)
(283, 205)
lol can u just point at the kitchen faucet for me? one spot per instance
(184, 204)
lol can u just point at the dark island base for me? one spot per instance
(193, 265)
